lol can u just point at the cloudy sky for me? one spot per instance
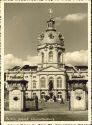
(25, 22)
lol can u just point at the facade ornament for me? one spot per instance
(61, 37)
(41, 37)
(51, 36)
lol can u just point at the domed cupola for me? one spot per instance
(50, 36)
(51, 46)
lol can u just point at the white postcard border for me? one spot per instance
(2, 64)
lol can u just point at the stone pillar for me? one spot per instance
(78, 100)
(55, 86)
(16, 100)
(47, 85)
(64, 88)
(17, 90)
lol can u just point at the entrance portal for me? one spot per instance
(50, 89)
(50, 85)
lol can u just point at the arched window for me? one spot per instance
(51, 79)
(59, 82)
(50, 56)
(43, 82)
(42, 57)
(51, 83)
(59, 59)
(49, 24)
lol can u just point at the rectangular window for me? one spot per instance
(34, 85)
(43, 82)
(59, 83)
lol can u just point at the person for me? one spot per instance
(54, 98)
(36, 101)
(61, 100)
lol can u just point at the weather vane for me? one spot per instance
(50, 11)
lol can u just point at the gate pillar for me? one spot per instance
(17, 90)
(77, 94)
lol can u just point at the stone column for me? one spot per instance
(47, 84)
(55, 84)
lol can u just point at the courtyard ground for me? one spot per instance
(48, 111)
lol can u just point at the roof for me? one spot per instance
(77, 81)
(51, 35)
(23, 68)
(17, 80)
(15, 68)
(81, 68)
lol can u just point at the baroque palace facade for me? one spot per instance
(51, 77)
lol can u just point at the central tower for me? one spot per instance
(51, 46)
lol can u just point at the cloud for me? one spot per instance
(10, 61)
(76, 17)
(73, 58)
(77, 57)
(34, 60)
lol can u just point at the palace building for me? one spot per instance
(51, 77)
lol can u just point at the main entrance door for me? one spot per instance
(59, 95)
(50, 85)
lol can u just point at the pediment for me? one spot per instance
(52, 69)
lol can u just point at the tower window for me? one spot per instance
(50, 56)
(42, 57)
(43, 82)
(59, 82)
(59, 55)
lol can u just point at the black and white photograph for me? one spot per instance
(46, 62)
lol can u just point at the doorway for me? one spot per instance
(50, 87)
(59, 96)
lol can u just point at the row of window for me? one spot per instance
(43, 82)
(20, 76)
(50, 57)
